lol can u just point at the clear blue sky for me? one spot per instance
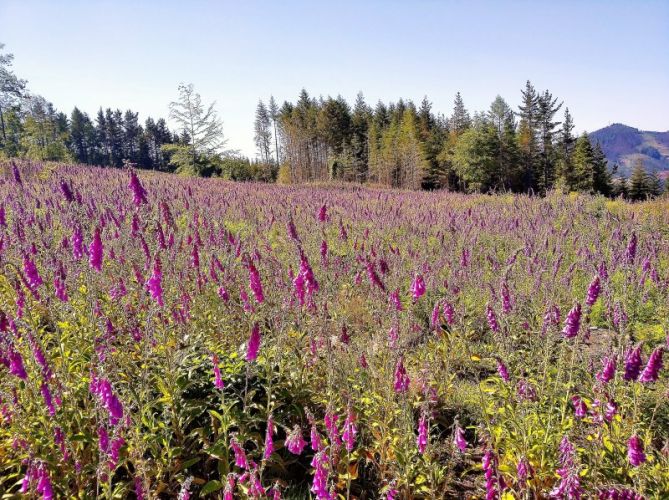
(608, 60)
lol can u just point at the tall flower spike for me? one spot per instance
(653, 367)
(635, 453)
(254, 283)
(253, 345)
(632, 364)
(593, 292)
(422, 439)
(459, 439)
(401, 384)
(417, 287)
(573, 322)
(608, 370)
(218, 381)
(492, 319)
(138, 191)
(96, 251)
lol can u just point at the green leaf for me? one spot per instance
(211, 487)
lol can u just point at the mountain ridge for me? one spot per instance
(624, 145)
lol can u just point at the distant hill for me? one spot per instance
(623, 145)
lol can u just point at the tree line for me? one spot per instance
(397, 144)
(404, 145)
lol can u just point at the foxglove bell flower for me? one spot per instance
(32, 275)
(269, 442)
(492, 319)
(459, 439)
(350, 432)
(155, 283)
(254, 283)
(608, 370)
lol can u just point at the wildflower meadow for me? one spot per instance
(171, 337)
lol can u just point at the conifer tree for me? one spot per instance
(638, 183)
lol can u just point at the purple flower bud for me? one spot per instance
(240, 456)
(269, 442)
(502, 370)
(630, 252)
(16, 365)
(449, 313)
(322, 214)
(506, 299)
(32, 275)
(155, 283)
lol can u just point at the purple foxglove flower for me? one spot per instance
(573, 322)
(320, 482)
(459, 439)
(653, 367)
(630, 252)
(48, 401)
(240, 456)
(417, 287)
(32, 275)
(254, 283)
(139, 489)
(269, 442)
(502, 370)
(492, 319)
(95, 251)
(253, 345)
(315, 439)
(17, 174)
(295, 442)
(580, 408)
(138, 191)
(103, 439)
(449, 313)
(332, 429)
(44, 486)
(593, 292)
(422, 439)
(401, 383)
(434, 320)
(395, 300)
(324, 250)
(66, 190)
(374, 276)
(635, 453)
(506, 299)
(350, 432)
(632, 364)
(61, 291)
(322, 214)
(77, 243)
(608, 370)
(16, 367)
(218, 381)
(155, 283)
(523, 471)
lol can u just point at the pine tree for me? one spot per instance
(547, 108)
(655, 187)
(601, 177)
(460, 119)
(639, 188)
(360, 121)
(274, 115)
(527, 135)
(583, 163)
(263, 133)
